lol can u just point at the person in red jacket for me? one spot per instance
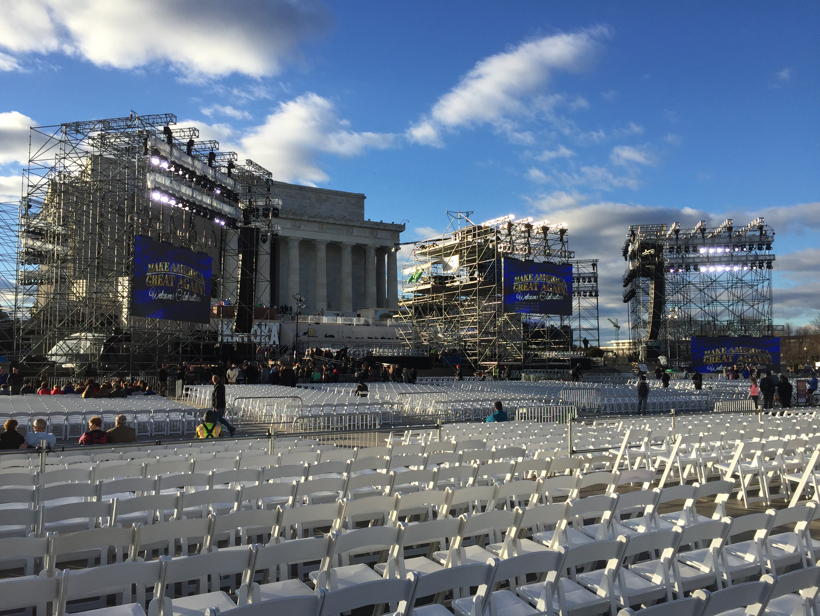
(56, 391)
(44, 390)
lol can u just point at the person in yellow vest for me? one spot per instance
(209, 428)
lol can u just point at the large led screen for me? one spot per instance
(711, 354)
(537, 288)
(170, 283)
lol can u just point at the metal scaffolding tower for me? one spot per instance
(89, 189)
(701, 281)
(453, 293)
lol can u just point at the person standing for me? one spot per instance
(811, 387)
(767, 388)
(218, 403)
(784, 392)
(665, 379)
(15, 381)
(459, 374)
(162, 380)
(3, 376)
(754, 391)
(697, 380)
(643, 394)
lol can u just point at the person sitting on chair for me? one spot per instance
(209, 428)
(499, 414)
(94, 435)
(11, 438)
(33, 439)
(121, 433)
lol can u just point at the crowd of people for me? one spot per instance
(39, 437)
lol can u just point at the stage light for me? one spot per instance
(671, 270)
(164, 164)
(172, 201)
(736, 268)
(218, 191)
(688, 268)
(696, 267)
(155, 160)
(768, 246)
(745, 268)
(712, 268)
(702, 250)
(769, 265)
(760, 265)
(717, 250)
(711, 251)
(760, 246)
(164, 198)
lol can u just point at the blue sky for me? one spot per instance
(601, 114)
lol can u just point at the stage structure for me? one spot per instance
(104, 200)
(697, 282)
(501, 291)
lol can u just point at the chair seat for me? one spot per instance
(579, 600)
(526, 546)
(785, 606)
(350, 575)
(419, 564)
(434, 609)
(285, 588)
(473, 555)
(638, 589)
(572, 536)
(131, 609)
(197, 604)
(505, 603)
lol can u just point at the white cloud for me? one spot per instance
(599, 178)
(499, 86)
(8, 63)
(560, 152)
(199, 38)
(226, 110)
(536, 175)
(624, 155)
(671, 116)
(292, 138)
(579, 103)
(784, 75)
(609, 95)
(557, 200)
(598, 136)
(10, 188)
(673, 139)
(424, 233)
(14, 136)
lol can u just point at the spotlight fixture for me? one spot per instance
(769, 265)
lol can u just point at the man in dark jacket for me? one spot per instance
(697, 380)
(218, 403)
(643, 394)
(767, 388)
(784, 392)
(665, 379)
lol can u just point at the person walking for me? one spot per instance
(218, 403)
(643, 394)
(754, 391)
(767, 389)
(784, 392)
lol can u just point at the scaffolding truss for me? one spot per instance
(89, 189)
(697, 282)
(453, 293)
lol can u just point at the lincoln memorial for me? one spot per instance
(328, 252)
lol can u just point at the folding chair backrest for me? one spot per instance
(29, 591)
(307, 605)
(296, 521)
(737, 596)
(466, 576)
(803, 581)
(102, 581)
(368, 593)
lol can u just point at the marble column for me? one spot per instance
(293, 270)
(321, 275)
(370, 277)
(347, 278)
(392, 281)
(263, 287)
(380, 280)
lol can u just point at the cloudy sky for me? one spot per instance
(600, 114)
